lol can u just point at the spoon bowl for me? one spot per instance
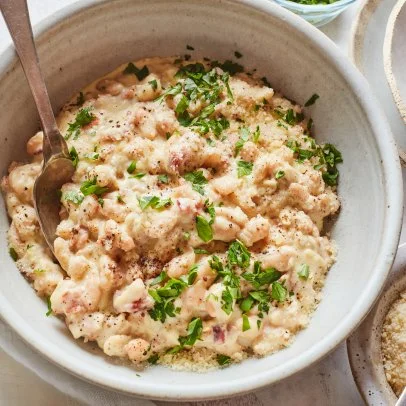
(56, 172)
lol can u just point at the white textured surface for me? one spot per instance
(327, 383)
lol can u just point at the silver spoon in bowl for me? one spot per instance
(57, 168)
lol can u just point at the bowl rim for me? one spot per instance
(388, 58)
(392, 184)
(314, 7)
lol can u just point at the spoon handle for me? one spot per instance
(16, 16)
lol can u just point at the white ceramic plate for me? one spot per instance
(366, 49)
(76, 47)
(364, 346)
(394, 55)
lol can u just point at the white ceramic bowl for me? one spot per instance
(90, 38)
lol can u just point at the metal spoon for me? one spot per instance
(57, 168)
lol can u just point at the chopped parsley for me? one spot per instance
(192, 275)
(245, 323)
(279, 175)
(312, 100)
(89, 187)
(256, 134)
(120, 199)
(244, 136)
(49, 304)
(138, 175)
(83, 118)
(74, 197)
(159, 279)
(238, 254)
(238, 54)
(200, 251)
(154, 84)
(164, 298)
(228, 66)
(244, 168)
(261, 277)
(140, 73)
(197, 179)
(204, 230)
(132, 167)
(194, 332)
(223, 360)
(13, 254)
(155, 202)
(153, 359)
(163, 179)
(38, 271)
(279, 292)
(304, 272)
(74, 156)
(80, 99)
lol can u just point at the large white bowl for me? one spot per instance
(88, 39)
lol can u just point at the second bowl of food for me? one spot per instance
(217, 236)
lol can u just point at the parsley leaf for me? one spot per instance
(154, 202)
(200, 251)
(245, 323)
(223, 359)
(261, 277)
(204, 229)
(197, 179)
(153, 359)
(238, 254)
(80, 99)
(172, 91)
(163, 179)
(140, 73)
(74, 197)
(279, 175)
(49, 304)
(90, 186)
(312, 100)
(13, 254)
(74, 156)
(244, 168)
(279, 292)
(304, 272)
(256, 135)
(132, 167)
(244, 136)
(154, 84)
(83, 118)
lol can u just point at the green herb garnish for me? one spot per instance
(304, 271)
(244, 136)
(74, 156)
(140, 73)
(154, 202)
(83, 118)
(244, 168)
(89, 187)
(74, 197)
(223, 359)
(49, 304)
(279, 175)
(163, 179)
(312, 100)
(245, 323)
(279, 292)
(197, 179)
(13, 254)
(132, 167)
(204, 229)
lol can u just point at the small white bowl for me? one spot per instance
(90, 38)
(364, 345)
(394, 55)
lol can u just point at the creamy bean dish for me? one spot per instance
(191, 233)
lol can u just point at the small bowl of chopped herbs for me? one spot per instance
(316, 12)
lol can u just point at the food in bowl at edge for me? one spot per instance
(191, 234)
(393, 345)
